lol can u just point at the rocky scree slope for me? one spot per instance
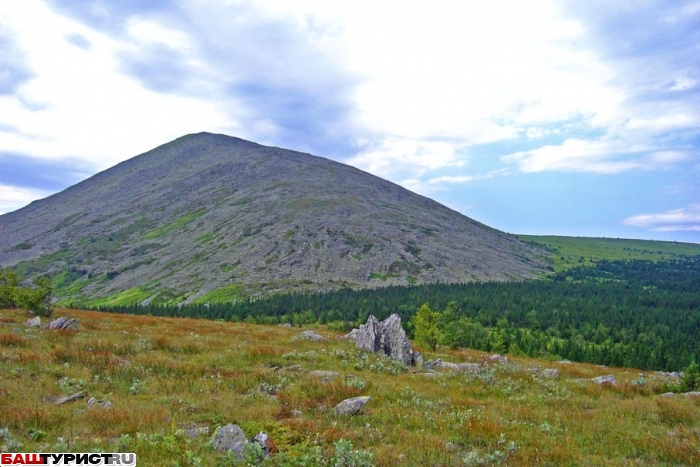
(209, 213)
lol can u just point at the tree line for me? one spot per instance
(634, 313)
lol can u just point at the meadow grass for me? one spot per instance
(568, 252)
(164, 376)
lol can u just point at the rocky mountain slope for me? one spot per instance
(210, 217)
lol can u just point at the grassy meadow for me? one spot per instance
(568, 252)
(172, 381)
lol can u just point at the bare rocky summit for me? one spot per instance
(210, 212)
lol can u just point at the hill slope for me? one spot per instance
(209, 217)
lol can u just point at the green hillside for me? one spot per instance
(568, 252)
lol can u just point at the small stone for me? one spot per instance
(551, 373)
(668, 394)
(497, 359)
(285, 325)
(33, 323)
(263, 440)
(296, 413)
(351, 406)
(311, 336)
(229, 438)
(74, 397)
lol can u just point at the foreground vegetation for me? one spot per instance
(641, 314)
(172, 381)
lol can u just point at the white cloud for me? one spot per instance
(574, 155)
(684, 219)
(399, 156)
(80, 104)
(12, 198)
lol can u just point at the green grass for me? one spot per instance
(166, 375)
(568, 252)
(223, 294)
(125, 297)
(173, 226)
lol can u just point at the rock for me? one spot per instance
(263, 440)
(385, 338)
(668, 394)
(63, 323)
(34, 322)
(296, 413)
(351, 406)
(92, 402)
(552, 373)
(604, 380)
(229, 438)
(417, 359)
(285, 325)
(692, 394)
(564, 362)
(74, 397)
(311, 336)
(324, 376)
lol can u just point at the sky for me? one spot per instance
(571, 117)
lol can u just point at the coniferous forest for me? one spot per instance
(639, 314)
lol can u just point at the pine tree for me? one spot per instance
(425, 327)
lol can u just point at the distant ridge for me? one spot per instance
(211, 217)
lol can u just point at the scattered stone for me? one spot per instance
(311, 336)
(285, 325)
(296, 413)
(34, 322)
(229, 438)
(385, 338)
(551, 373)
(92, 402)
(263, 440)
(290, 368)
(564, 362)
(63, 323)
(692, 394)
(323, 376)
(468, 367)
(668, 394)
(604, 380)
(74, 397)
(351, 406)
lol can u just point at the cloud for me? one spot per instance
(396, 157)
(12, 197)
(13, 69)
(684, 219)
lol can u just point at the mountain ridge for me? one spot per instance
(207, 212)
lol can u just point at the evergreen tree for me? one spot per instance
(425, 327)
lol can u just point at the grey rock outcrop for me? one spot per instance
(351, 406)
(229, 438)
(605, 380)
(384, 338)
(63, 323)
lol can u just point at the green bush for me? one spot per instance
(36, 298)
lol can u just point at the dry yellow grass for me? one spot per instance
(165, 374)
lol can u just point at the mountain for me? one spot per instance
(212, 217)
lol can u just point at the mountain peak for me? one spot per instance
(208, 215)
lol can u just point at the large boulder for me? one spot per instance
(384, 338)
